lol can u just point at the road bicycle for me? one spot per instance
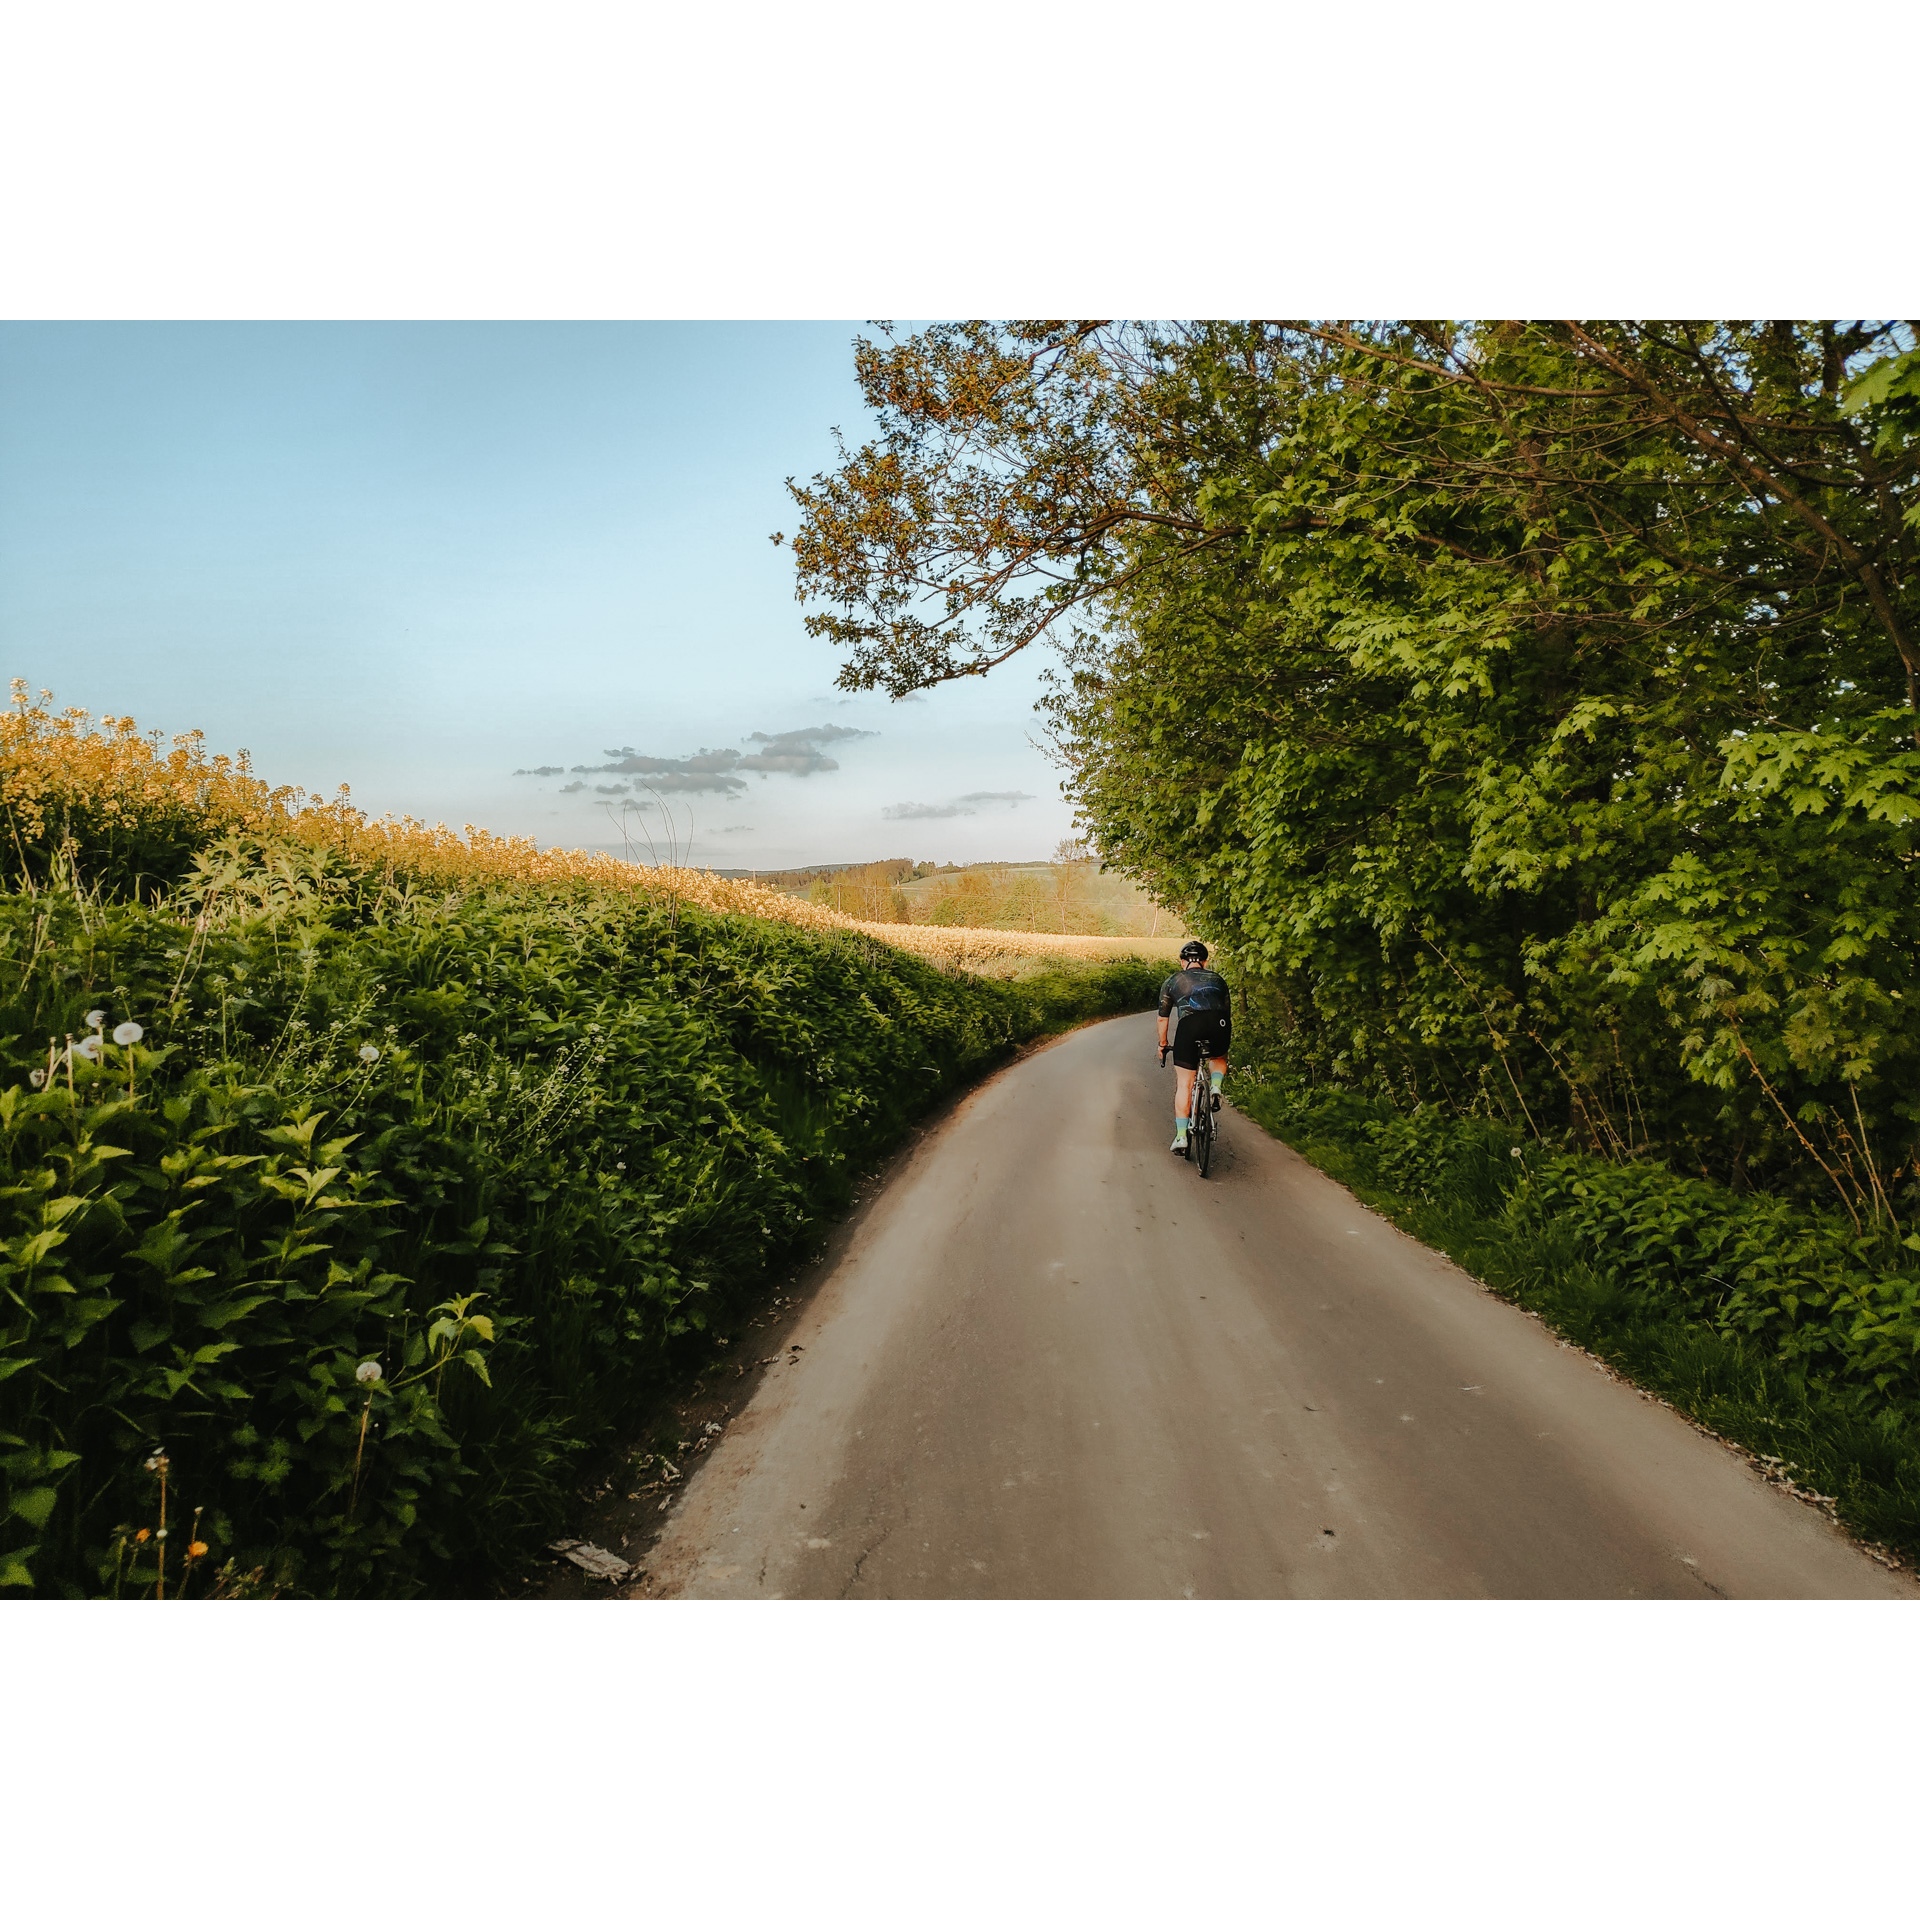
(1201, 1125)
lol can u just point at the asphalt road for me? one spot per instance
(1054, 1363)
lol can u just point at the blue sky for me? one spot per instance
(417, 557)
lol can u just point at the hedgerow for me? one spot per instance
(345, 1210)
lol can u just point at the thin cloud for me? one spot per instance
(954, 809)
(537, 773)
(917, 810)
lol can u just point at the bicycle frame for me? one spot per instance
(1199, 1110)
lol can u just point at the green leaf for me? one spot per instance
(34, 1505)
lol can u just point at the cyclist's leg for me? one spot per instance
(1186, 1063)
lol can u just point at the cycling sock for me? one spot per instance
(1219, 1078)
(1180, 1128)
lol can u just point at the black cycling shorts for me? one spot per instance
(1201, 1032)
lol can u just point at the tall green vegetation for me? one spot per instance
(344, 1212)
(1530, 708)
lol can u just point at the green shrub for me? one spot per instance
(1808, 1288)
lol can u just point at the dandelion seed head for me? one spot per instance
(128, 1032)
(97, 1018)
(367, 1372)
(369, 1053)
(90, 1048)
(37, 1078)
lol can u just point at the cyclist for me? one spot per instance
(1200, 1005)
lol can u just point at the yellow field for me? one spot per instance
(988, 950)
(55, 768)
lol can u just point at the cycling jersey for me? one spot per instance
(1194, 989)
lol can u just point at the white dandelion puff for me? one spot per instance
(90, 1048)
(37, 1078)
(127, 1032)
(367, 1372)
(97, 1019)
(369, 1054)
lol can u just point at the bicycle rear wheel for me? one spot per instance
(1201, 1129)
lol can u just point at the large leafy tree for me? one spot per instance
(1531, 706)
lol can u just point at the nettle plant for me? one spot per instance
(193, 1267)
(194, 1249)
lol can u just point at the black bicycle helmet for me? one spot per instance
(1193, 950)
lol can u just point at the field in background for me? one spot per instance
(1009, 954)
(1070, 896)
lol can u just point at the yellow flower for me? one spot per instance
(49, 760)
(195, 1549)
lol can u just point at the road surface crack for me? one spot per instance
(862, 1561)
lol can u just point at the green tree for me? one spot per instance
(1530, 707)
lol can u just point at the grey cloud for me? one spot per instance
(915, 810)
(1011, 799)
(718, 769)
(696, 782)
(537, 773)
(798, 751)
(736, 829)
(700, 780)
(574, 786)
